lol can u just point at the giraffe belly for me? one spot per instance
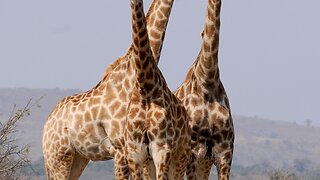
(93, 146)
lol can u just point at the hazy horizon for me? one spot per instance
(268, 57)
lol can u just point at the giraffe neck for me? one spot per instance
(206, 68)
(157, 20)
(141, 53)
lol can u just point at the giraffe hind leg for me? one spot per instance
(191, 168)
(59, 166)
(78, 165)
(224, 165)
(199, 169)
(179, 163)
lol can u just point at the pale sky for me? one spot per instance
(269, 49)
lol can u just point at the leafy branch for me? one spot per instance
(12, 156)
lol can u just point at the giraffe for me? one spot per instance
(207, 105)
(157, 125)
(87, 126)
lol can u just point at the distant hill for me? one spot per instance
(276, 143)
(258, 141)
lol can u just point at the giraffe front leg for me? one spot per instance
(136, 170)
(162, 160)
(136, 155)
(179, 163)
(223, 164)
(191, 168)
(149, 170)
(204, 168)
(121, 169)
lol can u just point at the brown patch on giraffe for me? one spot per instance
(209, 32)
(152, 122)
(225, 134)
(94, 149)
(56, 137)
(224, 170)
(96, 93)
(138, 64)
(123, 96)
(148, 87)
(154, 34)
(155, 131)
(78, 122)
(220, 121)
(150, 75)
(197, 116)
(224, 145)
(217, 138)
(115, 125)
(126, 83)
(149, 17)
(162, 125)
(137, 136)
(142, 115)
(75, 100)
(94, 101)
(109, 98)
(206, 48)
(143, 56)
(129, 127)
(162, 134)
(154, 44)
(81, 136)
(158, 115)
(170, 132)
(94, 112)
(139, 15)
(120, 113)
(115, 106)
(139, 124)
(223, 111)
(87, 143)
(180, 123)
(133, 113)
(103, 114)
(87, 116)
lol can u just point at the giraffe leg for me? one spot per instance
(162, 160)
(58, 165)
(191, 168)
(78, 165)
(136, 155)
(136, 170)
(149, 170)
(223, 164)
(120, 166)
(179, 163)
(198, 170)
(204, 168)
